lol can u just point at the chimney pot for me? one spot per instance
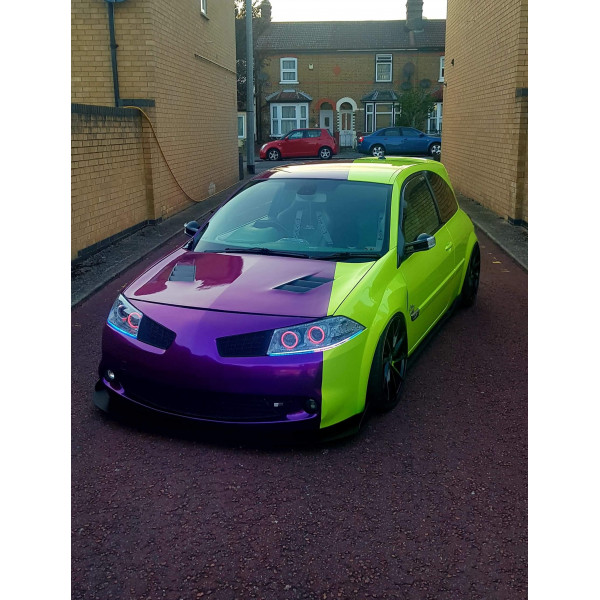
(414, 15)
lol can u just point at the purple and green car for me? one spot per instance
(298, 303)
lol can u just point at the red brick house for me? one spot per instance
(347, 76)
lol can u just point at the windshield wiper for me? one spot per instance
(345, 255)
(264, 251)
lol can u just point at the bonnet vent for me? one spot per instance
(305, 284)
(183, 273)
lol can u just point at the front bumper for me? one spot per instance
(191, 379)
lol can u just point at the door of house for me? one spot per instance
(326, 119)
(346, 128)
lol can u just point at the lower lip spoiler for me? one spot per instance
(310, 425)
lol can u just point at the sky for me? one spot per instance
(351, 10)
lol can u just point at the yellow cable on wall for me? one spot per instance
(163, 154)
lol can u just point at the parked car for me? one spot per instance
(301, 143)
(298, 303)
(399, 140)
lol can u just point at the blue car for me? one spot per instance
(399, 140)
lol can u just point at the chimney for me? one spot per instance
(414, 15)
(265, 11)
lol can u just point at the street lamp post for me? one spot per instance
(249, 90)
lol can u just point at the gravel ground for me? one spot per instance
(426, 502)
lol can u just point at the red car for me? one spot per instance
(301, 143)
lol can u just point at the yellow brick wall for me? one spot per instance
(484, 139)
(196, 106)
(338, 75)
(108, 185)
(91, 73)
(168, 52)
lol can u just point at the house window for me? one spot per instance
(442, 60)
(383, 67)
(434, 120)
(285, 117)
(241, 126)
(289, 70)
(378, 115)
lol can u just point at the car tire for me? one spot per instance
(468, 294)
(388, 370)
(325, 153)
(273, 154)
(435, 149)
(377, 150)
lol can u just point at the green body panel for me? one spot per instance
(424, 283)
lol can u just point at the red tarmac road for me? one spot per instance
(427, 502)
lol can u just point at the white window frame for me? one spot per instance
(282, 70)
(243, 117)
(299, 121)
(434, 119)
(442, 64)
(371, 113)
(383, 59)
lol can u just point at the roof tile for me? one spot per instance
(351, 35)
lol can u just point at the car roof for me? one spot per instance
(375, 170)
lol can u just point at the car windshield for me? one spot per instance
(316, 218)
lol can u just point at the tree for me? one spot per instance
(415, 106)
(261, 18)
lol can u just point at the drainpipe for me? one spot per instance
(113, 48)
(249, 90)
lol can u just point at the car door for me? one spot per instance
(312, 142)
(394, 142)
(293, 144)
(413, 141)
(428, 273)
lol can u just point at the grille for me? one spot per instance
(211, 405)
(153, 333)
(247, 344)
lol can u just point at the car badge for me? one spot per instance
(414, 313)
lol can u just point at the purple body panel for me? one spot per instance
(237, 283)
(191, 379)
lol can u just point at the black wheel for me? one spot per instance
(471, 283)
(388, 370)
(377, 150)
(435, 149)
(325, 153)
(274, 154)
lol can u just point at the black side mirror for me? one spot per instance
(421, 135)
(422, 243)
(191, 228)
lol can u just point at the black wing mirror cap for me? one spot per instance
(191, 228)
(422, 243)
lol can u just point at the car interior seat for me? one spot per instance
(307, 217)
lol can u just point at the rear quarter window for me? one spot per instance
(444, 196)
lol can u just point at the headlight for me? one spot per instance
(124, 317)
(263, 147)
(313, 337)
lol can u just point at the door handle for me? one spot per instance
(448, 246)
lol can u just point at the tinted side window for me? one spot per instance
(444, 196)
(314, 133)
(420, 215)
(408, 132)
(296, 135)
